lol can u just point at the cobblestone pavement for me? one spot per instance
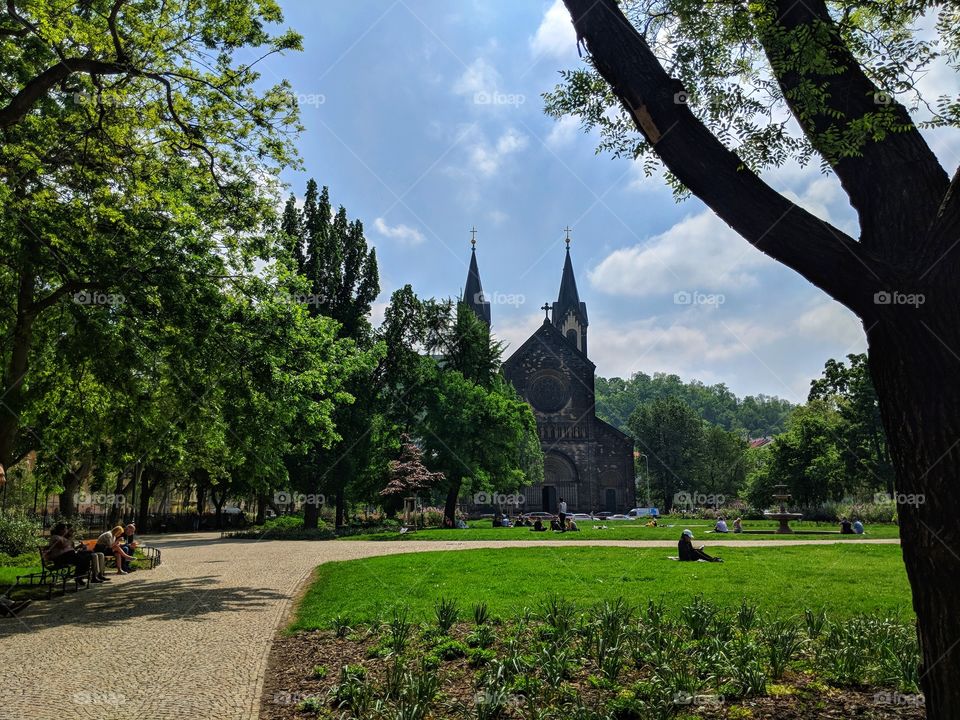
(189, 639)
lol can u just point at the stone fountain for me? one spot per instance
(781, 495)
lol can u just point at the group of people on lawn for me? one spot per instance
(560, 522)
(118, 543)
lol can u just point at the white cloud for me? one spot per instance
(479, 77)
(831, 322)
(692, 347)
(699, 253)
(404, 234)
(563, 132)
(555, 37)
(485, 159)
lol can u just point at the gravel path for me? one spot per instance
(189, 639)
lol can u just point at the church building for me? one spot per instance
(587, 462)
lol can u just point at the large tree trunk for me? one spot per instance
(915, 373)
(341, 512)
(16, 370)
(450, 507)
(311, 510)
(261, 509)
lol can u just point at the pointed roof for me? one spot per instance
(473, 290)
(569, 298)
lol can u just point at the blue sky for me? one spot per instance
(424, 118)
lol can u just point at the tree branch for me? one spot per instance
(37, 87)
(847, 103)
(821, 253)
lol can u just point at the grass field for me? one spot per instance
(845, 580)
(634, 530)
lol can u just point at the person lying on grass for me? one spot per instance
(691, 554)
(109, 544)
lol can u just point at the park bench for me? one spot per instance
(49, 575)
(150, 554)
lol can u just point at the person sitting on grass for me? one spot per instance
(857, 527)
(738, 525)
(555, 525)
(60, 553)
(109, 544)
(538, 526)
(688, 553)
(652, 522)
(845, 527)
(721, 526)
(505, 522)
(572, 525)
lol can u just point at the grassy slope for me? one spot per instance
(631, 530)
(844, 579)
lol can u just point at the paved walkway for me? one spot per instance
(189, 639)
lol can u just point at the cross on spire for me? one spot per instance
(473, 237)
(546, 310)
(567, 239)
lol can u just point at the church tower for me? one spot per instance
(473, 290)
(569, 314)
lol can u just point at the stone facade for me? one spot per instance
(587, 462)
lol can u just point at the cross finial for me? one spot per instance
(473, 237)
(567, 239)
(546, 310)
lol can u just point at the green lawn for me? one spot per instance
(634, 530)
(843, 579)
(8, 575)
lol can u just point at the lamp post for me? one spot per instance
(647, 462)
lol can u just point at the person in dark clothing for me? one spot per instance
(60, 553)
(538, 526)
(688, 553)
(846, 527)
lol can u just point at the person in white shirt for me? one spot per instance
(721, 526)
(562, 514)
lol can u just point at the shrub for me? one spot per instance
(19, 534)
(447, 612)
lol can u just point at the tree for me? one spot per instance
(134, 150)
(850, 390)
(821, 62)
(671, 434)
(408, 474)
(722, 468)
(342, 281)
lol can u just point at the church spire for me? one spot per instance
(473, 290)
(569, 314)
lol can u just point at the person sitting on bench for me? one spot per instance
(60, 553)
(98, 562)
(109, 544)
(691, 554)
(128, 543)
